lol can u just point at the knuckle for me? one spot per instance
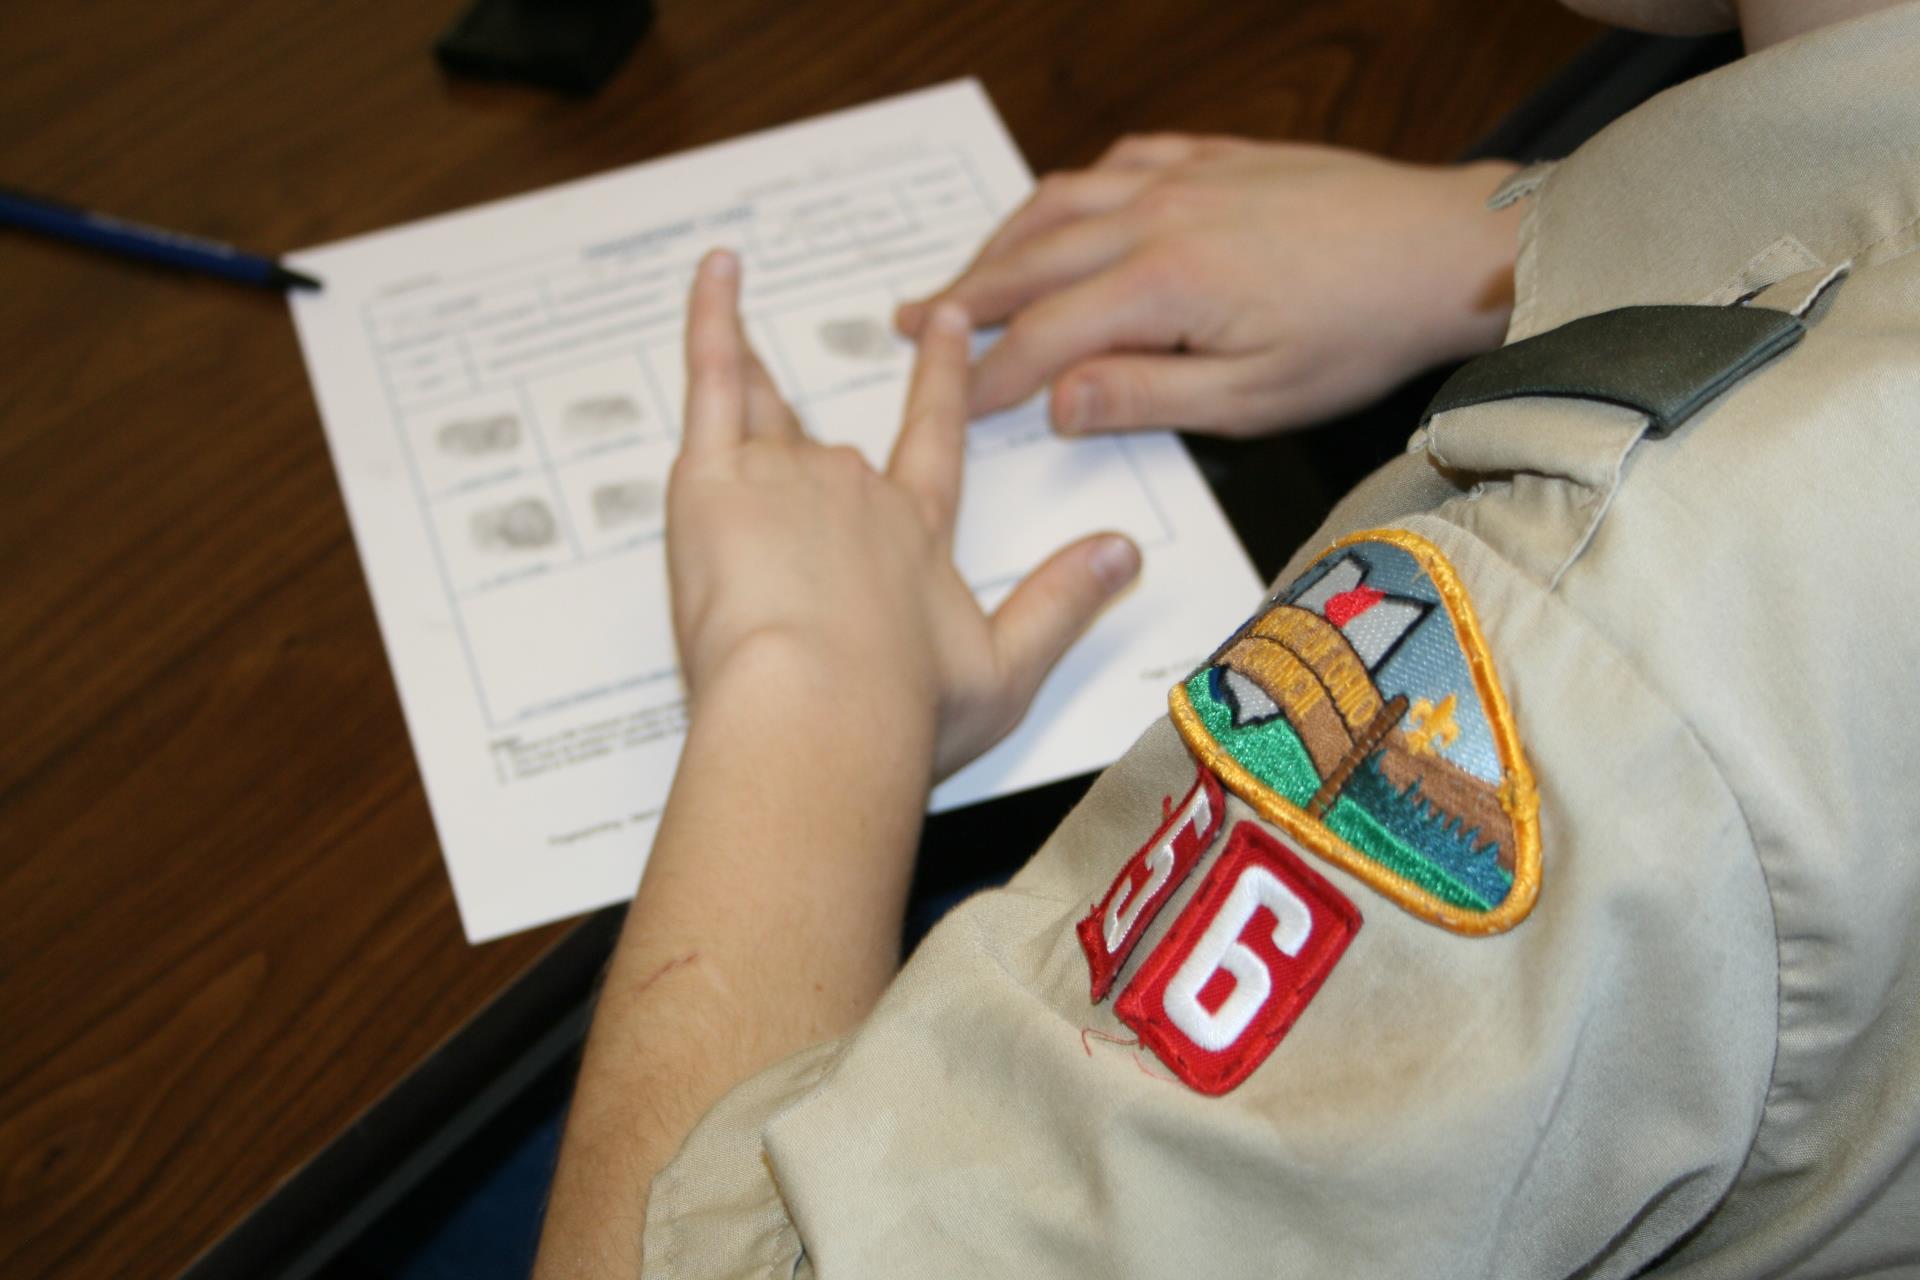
(1021, 348)
(757, 465)
(709, 361)
(847, 461)
(1053, 189)
(1215, 146)
(1134, 146)
(1005, 712)
(1160, 271)
(970, 290)
(930, 513)
(1064, 191)
(1129, 392)
(1168, 201)
(677, 476)
(926, 420)
(1019, 334)
(1049, 194)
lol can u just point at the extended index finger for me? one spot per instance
(716, 414)
(927, 458)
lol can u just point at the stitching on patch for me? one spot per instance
(1523, 807)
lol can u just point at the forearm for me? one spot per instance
(768, 920)
(833, 651)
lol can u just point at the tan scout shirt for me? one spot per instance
(1699, 1054)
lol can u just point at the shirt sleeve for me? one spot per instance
(1570, 1095)
(715, 1211)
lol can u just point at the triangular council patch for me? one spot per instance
(1360, 713)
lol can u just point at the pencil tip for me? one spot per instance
(288, 278)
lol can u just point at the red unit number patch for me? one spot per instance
(1240, 964)
(1109, 933)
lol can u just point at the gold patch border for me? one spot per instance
(1523, 808)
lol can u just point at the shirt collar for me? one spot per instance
(1795, 159)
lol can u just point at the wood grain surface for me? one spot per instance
(226, 924)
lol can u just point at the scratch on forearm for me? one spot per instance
(640, 987)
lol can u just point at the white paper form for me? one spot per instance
(501, 389)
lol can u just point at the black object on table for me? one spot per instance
(574, 46)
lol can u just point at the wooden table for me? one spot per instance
(227, 929)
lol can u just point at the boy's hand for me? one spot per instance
(774, 540)
(1232, 286)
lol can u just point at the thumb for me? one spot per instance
(1047, 612)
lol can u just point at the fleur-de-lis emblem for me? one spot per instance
(1431, 728)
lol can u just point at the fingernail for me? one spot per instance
(1076, 407)
(949, 318)
(723, 263)
(1115, 561)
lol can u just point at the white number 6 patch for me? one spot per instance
(1220, 949)
(1240, 964)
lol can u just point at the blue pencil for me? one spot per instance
(190, 253)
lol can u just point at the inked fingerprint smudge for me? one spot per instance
(601, 415)
(626, 502)
(476, 437)
(857, 338)
(523, 525)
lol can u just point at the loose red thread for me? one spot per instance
(1086, 1033)
(1140, 1061)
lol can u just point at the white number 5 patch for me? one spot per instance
(1148, 880)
